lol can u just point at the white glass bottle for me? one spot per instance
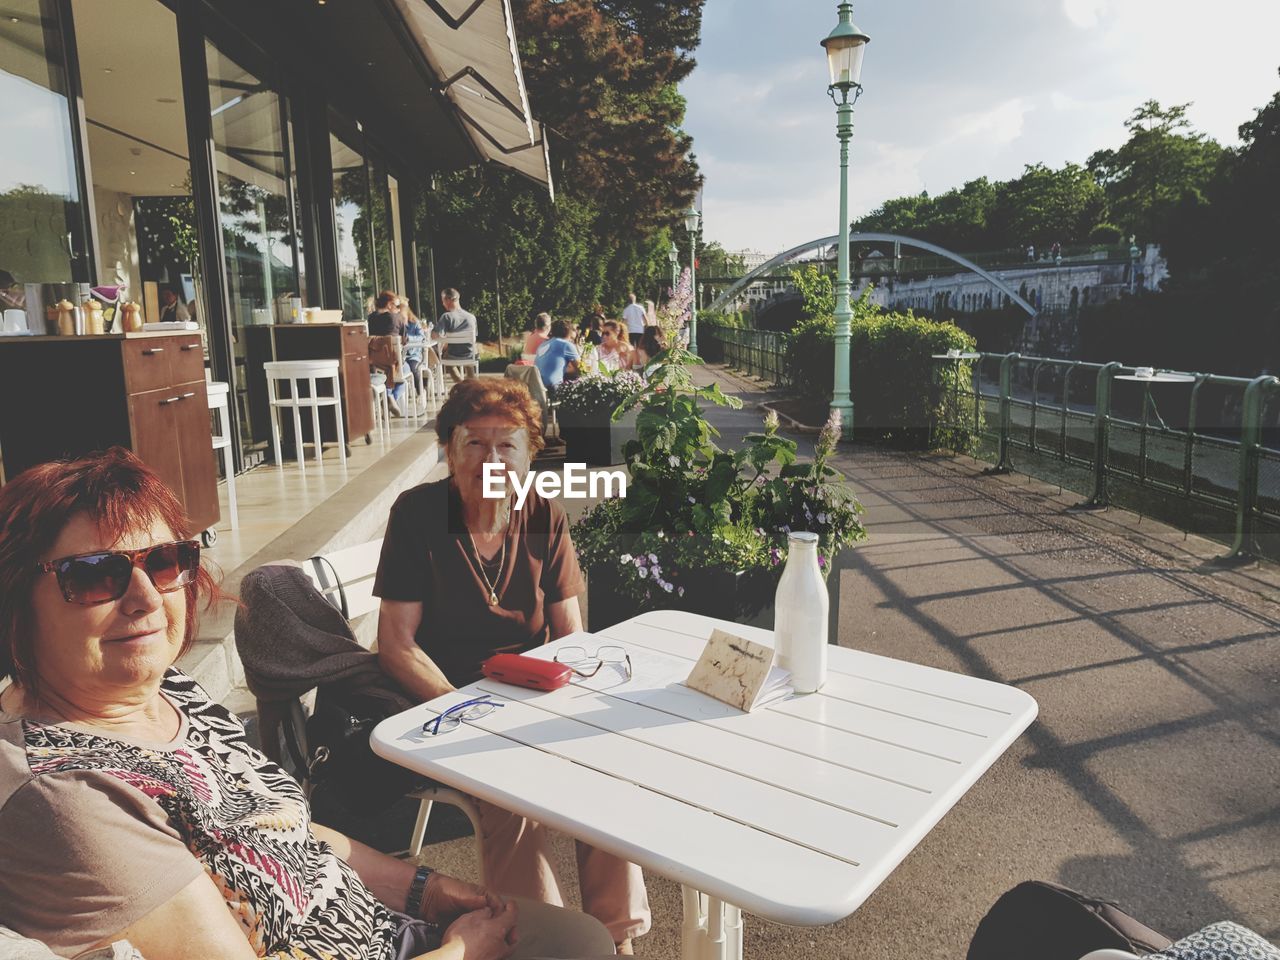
(800, 615)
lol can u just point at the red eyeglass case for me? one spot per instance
(521, 671)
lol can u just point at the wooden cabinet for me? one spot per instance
(347, 342)
(68, 396)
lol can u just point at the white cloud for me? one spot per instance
(1085, 13)
(1001, 124)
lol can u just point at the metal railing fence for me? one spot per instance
(1203, 454)
(759, 353)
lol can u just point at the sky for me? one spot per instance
(952, 91)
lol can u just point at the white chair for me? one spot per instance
(381, 404)
(297, 373)
(218, 394)
(454, 362)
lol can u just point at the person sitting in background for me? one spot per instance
(133, 808)
(386, 319)
(415, 335)
(614, 351)
(589, 329)
(557, 359)
(462, 577)
(647, 350)
(456, 320)
(537, 336)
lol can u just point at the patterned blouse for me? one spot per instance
(114, 828)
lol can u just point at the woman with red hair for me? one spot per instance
(462, 577)
(133, 808)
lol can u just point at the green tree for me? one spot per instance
(1162, 162)
(1046, 206)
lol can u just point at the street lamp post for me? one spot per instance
(673, 257)
(691, 218)
(845, 46)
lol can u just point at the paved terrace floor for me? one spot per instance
(1152, 775)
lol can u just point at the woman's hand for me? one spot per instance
(483, 934)
(447, 898)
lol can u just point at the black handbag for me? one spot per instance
(1046, 921)
(342, 764)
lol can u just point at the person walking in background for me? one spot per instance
(633, 315)
(456, 320)
(650, 315)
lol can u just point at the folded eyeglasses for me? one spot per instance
(578, 660)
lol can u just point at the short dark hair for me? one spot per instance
(384, 298)
(559, 330)
(114, 488)
(448, 293)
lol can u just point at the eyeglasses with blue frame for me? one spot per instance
(472, 709)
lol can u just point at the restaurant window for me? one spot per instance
(356, 275)
(136, 125)
(380, 219)
(255, 186)
(40, 202)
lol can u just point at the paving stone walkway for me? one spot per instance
(1152, 775)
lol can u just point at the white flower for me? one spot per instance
(680, 592)
(822, 518)
(653, 558)
(673, 460)
(668, 587)
(643, 572)
(625, 558)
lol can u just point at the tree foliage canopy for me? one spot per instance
(602, 76)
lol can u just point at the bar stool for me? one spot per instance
(296, 373)
(218, 394)
(381, 405)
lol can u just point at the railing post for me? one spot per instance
(1101, 436)
(1006, 391)
(1243, 547)
(1188, 466)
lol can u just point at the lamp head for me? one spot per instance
(845, 46)
(691, 218)
(673, 253)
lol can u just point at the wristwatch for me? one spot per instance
(417, 889)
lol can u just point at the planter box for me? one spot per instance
(726, 594)
(596, 440)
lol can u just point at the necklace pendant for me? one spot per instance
(493, 598)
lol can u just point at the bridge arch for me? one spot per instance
(787, 255)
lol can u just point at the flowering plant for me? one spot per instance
(600, 394)
(692, 507)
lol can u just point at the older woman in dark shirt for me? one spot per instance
(463, 577)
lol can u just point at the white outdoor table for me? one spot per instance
(795, 812)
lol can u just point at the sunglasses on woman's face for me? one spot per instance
(92, 578)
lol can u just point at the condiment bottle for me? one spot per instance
(93, 322)
(800, 615)
(132, 317)
(66, 318)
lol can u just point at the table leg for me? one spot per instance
(712, 929)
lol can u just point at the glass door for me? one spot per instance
(261, 243)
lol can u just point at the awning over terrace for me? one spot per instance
(471, 46)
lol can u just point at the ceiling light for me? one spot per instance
(14, 20)
(133, 173)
